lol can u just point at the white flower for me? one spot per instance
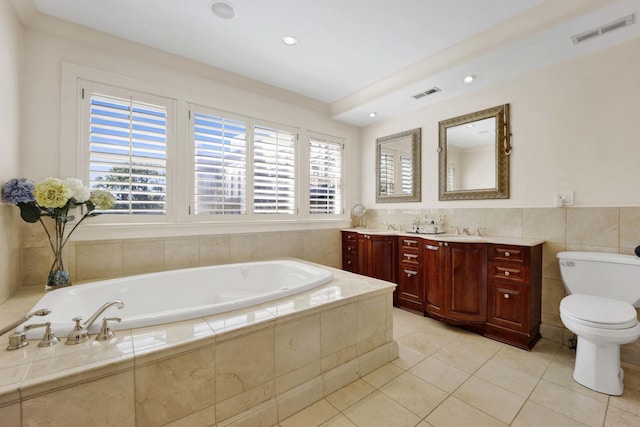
(78, 191)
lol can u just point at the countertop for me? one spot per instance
(446, 237)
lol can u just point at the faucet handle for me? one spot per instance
(456, 229)
(49, 338)
(78, 334)
(106, 333)
(478, 230)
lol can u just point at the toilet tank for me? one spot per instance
(607, 275)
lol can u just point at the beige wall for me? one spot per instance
(11, 42)
(574, 127)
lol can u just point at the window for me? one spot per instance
(387, 173)
(220, 165)
(407, 174)
(325, 176)
(173, 158)
(274, 170)
(127, 149)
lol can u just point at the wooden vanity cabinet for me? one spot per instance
(410, 291)
(370, 255)
(514, 294)
(492, 289)
(455, 281)
(465, 282)
(350, 252)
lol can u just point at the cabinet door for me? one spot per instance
(508, 306)
(466, 281)
(410, 288)
(432, 271)
(382, 258)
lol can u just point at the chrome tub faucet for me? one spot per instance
(80, 332)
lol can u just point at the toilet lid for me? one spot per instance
(600, 312)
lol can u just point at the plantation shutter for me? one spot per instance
(273, 171)
(128, 153)
(325, 177)
(407, 175)
(387, 173)
(220, 165)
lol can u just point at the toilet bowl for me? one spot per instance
(600, 310)
(601, 325)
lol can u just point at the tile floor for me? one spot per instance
(446, 376)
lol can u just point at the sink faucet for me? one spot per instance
(80, 333)
(466, 231)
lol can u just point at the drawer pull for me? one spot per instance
(410, 242)
(410, 273)
(506, 273)
(506, 296)
(410, 256)
(507, 254)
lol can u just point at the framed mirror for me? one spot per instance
(398, 167)
(474, 154)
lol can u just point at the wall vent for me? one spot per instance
(426, 92)
(618, 23)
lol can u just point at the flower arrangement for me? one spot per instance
(55, 198)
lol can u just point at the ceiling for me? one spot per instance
(362, 56)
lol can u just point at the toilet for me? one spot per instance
(603, 290)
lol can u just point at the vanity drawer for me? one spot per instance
(510, 254)
(349, 236)
(508, 272)
(410, 256)
(350, 263)
(350, 248)
(409, 242)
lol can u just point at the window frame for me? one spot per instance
(332, 140)
(178, 222)
(87, 87)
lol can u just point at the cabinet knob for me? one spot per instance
(446, 243)
(440, 243)
(507, 254)
(506, 296)
(506, 273)
(349, 262)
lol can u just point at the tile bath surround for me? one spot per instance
(261, 363)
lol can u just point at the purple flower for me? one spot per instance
(18, 191)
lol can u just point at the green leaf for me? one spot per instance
(29, 212)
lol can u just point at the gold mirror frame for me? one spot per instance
(502, 152)
(416, 166)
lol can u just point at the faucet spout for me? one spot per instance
(119, 304)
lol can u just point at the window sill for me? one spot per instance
(89, 232)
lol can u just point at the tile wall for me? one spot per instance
(94, 260)
(597, 229)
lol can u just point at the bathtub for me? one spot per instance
(170, 296)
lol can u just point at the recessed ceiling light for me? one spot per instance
(222, 9)
(289, 40)
(372, 115)
(469, 79)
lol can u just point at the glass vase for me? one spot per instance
(58, 276)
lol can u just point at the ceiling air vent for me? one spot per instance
(618, 23)
(426, 92)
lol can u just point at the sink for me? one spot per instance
(461, 238)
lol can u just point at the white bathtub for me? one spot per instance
(170, 296)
